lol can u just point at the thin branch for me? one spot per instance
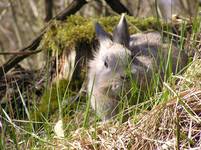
(16, 59)
(19, 52)
(118, 7)
(48, 10)
(33, 8)
(73, 7)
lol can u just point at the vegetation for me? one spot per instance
(62, 35)
(61, 120)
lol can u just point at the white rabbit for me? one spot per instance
(140, 53)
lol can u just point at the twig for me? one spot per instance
(118, 7)
(73, 7)
(19, 52)
(34, 8)
(179, 36)
(48, 10)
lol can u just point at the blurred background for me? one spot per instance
(22, 20)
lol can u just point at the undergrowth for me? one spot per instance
(62, 120)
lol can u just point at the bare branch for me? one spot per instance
(19, 52)
(73, 8)
(34, 8)
(118, 7)
(48, 10)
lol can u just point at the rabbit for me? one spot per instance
(140, 53)
(150, 55)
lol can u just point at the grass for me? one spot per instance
(158, 117)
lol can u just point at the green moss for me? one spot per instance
(135, 24)
(65, 35)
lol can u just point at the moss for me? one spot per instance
(65, 35)
(135, 24)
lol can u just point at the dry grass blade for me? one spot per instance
(155, 129)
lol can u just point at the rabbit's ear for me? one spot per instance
(120, 33)
(102, 36)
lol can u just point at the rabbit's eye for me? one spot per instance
(106, 64)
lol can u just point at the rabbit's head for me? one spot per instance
(113, 63)
(109, 67)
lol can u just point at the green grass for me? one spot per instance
(31, 126)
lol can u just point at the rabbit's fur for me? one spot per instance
(140, 53)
